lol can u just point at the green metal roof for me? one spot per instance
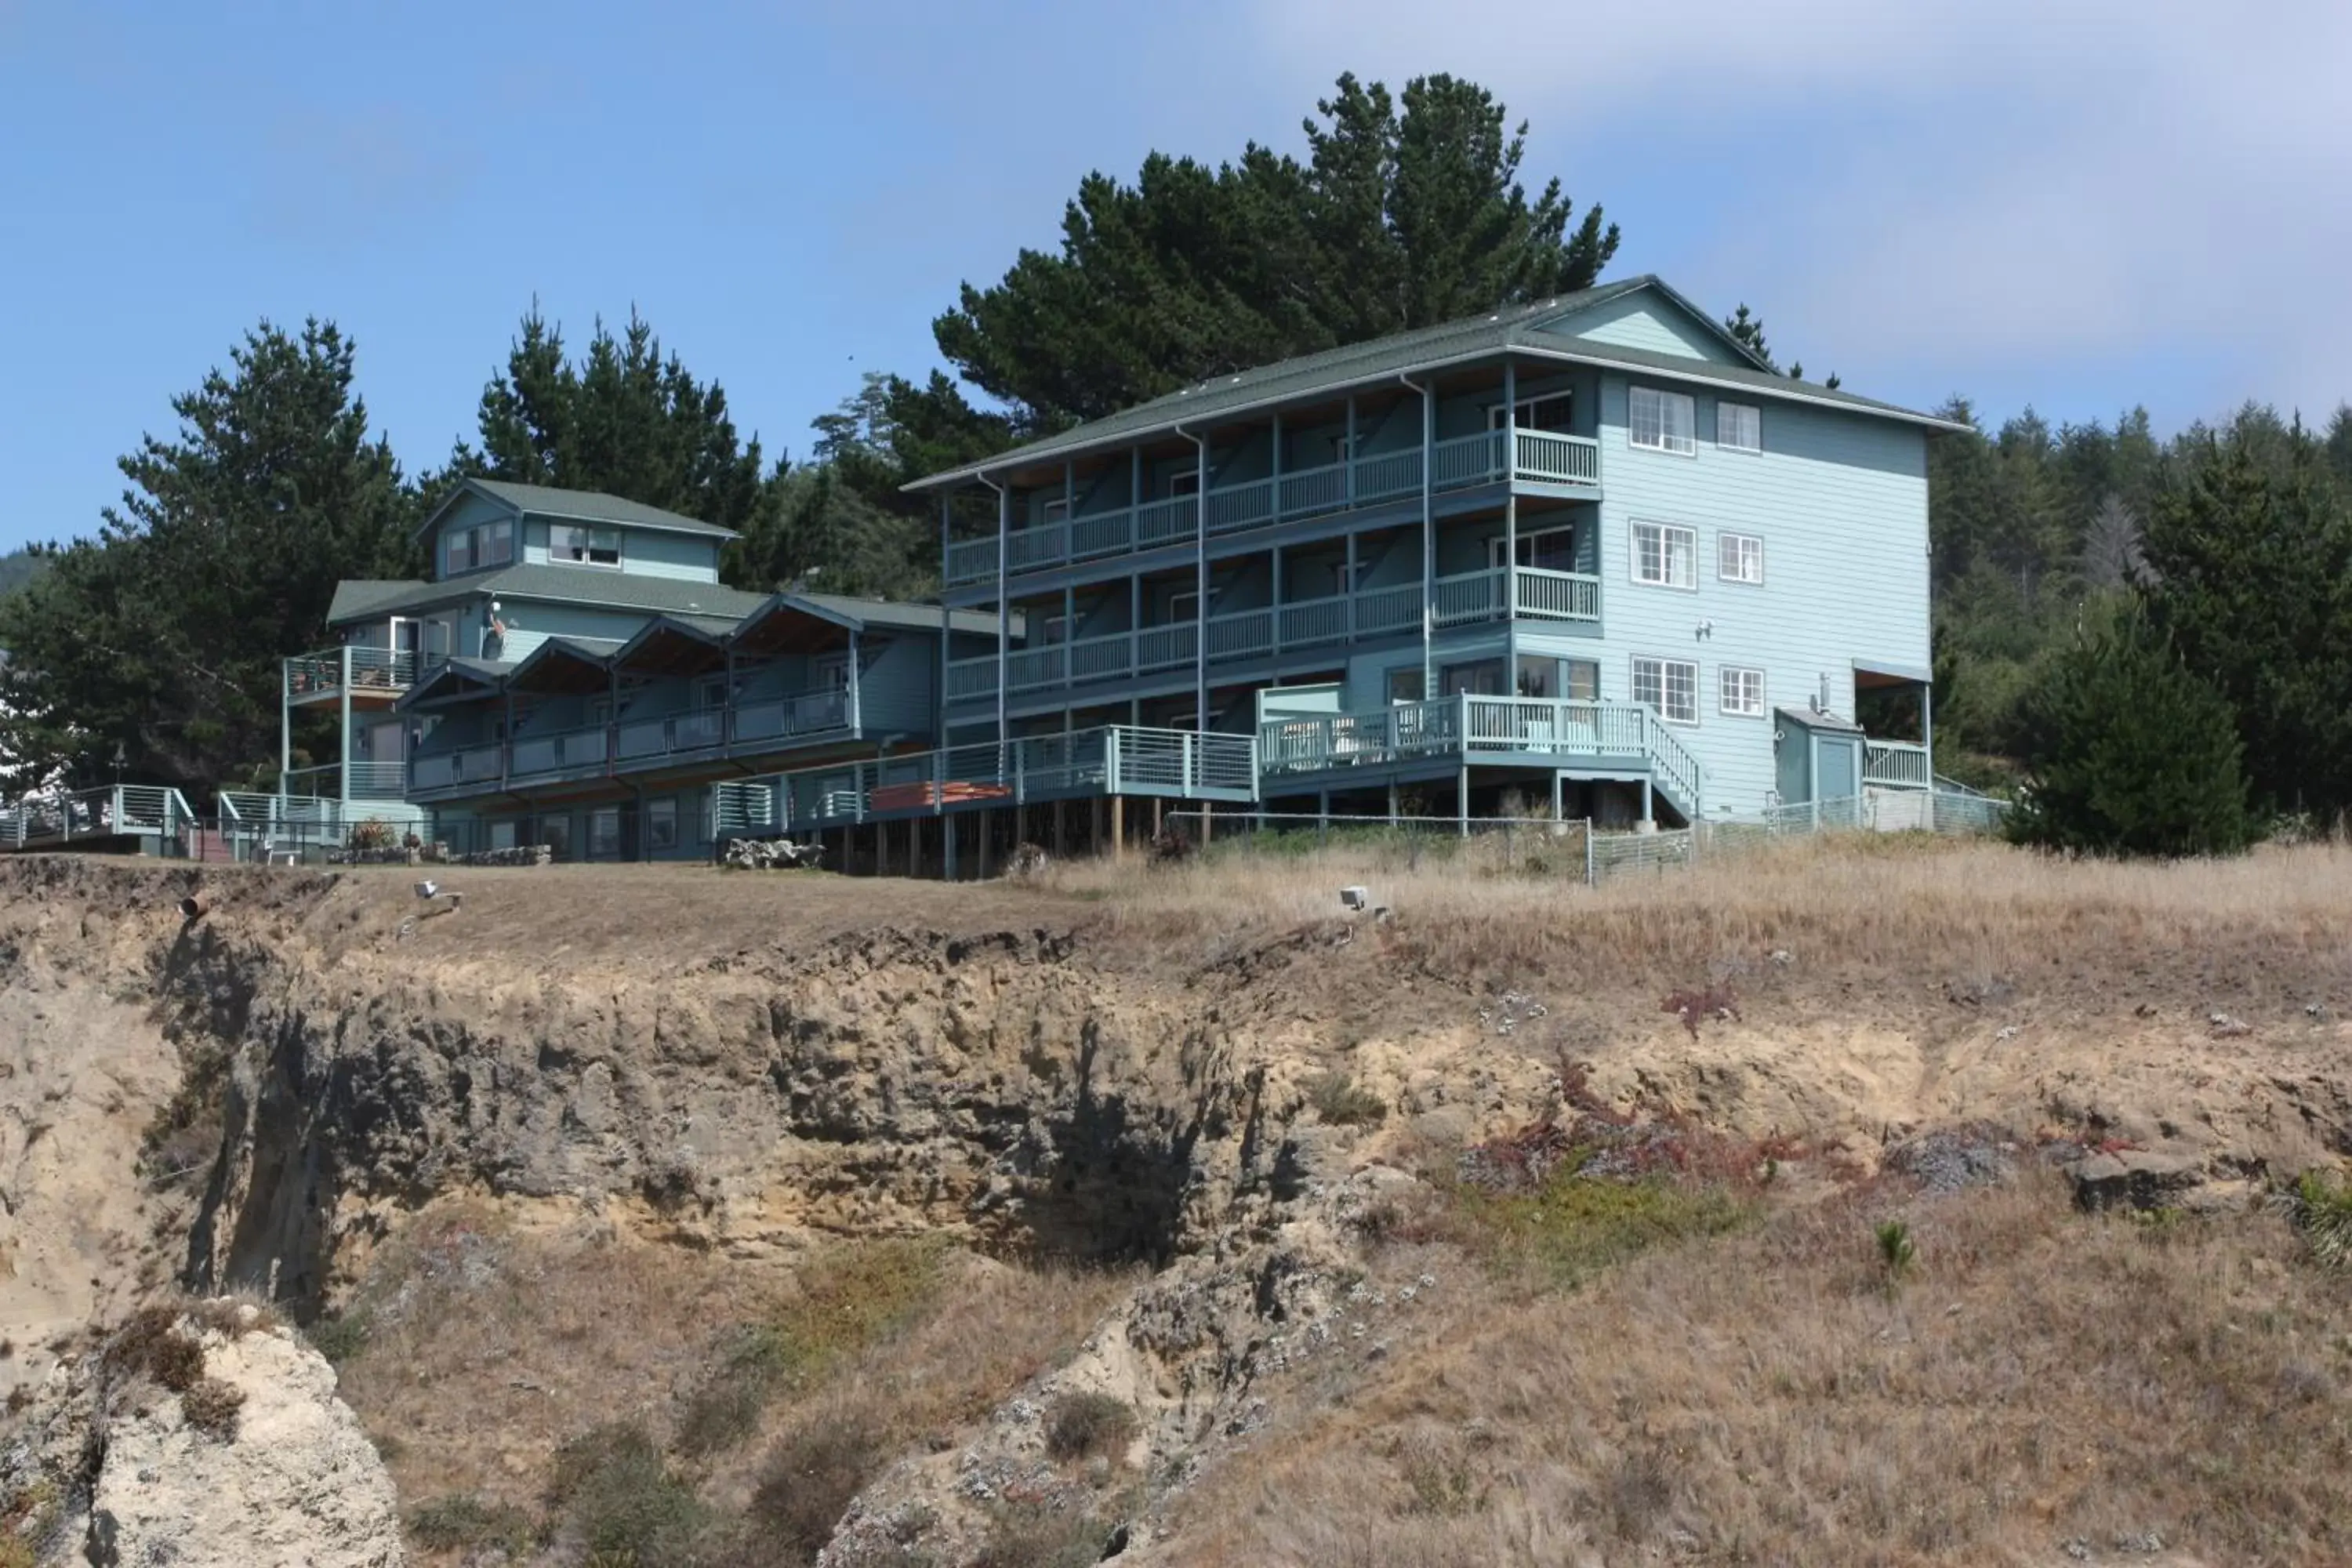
(357, 598)
(1520, 329)
(576, 505)
(583, 585)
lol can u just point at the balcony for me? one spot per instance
(1464, 729)
(1465, 599)
(1115, 759)
(373, 677)
(334, 780)
(1541, 457)
(631, 745)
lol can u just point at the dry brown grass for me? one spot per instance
(484, 1341)
(1877, 902)
(2045, 1378)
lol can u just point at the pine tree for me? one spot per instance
(2128, 752)
(2251, 553)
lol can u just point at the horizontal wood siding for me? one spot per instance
(894, 694)
(1647, 322)
(1840, 502)
(684, 557)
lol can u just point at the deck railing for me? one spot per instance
(560, 751)
(1896, 765)
(1109, 760)
(149, 811)
(322, 674)
(1468, 726)
(368, 781)
(790, 718)
(1458, 600)
(1542, 456)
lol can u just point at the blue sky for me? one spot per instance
(2079, 205)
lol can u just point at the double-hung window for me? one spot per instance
(1664, 555)
(1739, 558)
(661, 824)
(1668, 685)
(494, 544)
(1660, 421)
(1740, 693)
(574, 545)
(1738, 426)
(461, 550)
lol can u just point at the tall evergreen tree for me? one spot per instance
(163, 634)
(2250, 557)
(623, 419)
(1403, 215)
(822, 531)
(2128, 752)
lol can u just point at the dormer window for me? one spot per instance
(486, 544)
(571, 544)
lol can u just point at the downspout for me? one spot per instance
(1428, 533)
(947, 629)
(1003, 609)
(1199, 585)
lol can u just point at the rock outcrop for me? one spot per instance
(251, 1462)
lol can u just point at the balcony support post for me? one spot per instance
(1274, 512)
(1350, 584)
(285, 724)
(947, 622)
(1428, 529)
(857, 713)
(1927, 730)
(1350, 454)
(1510, 424)
(343, 773)
(1274, 632)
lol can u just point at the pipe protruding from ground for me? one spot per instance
(195, 906)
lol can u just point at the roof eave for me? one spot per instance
(1796, 391)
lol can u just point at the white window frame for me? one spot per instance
(710, 692)
(1523, 411)
(1568, 669)
(1660, 402)
(1733, 554)
(1665, 556)
(832, 672)
(1057, 510)
(1054, 630)
(559, 545)
(1734, 684)
(1183, 482)
(457, 551)
(604, 832)
(1754, 421)
(1664, 686)
(1177, 616)
(1495, 542)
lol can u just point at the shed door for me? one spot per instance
(1839, 759)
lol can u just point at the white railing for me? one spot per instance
(368, 781)
(1896, 765)
(1465, 726)
(1559, 595)
(1541, 455)
(563, 751)
(154, 811)
(1111, 760)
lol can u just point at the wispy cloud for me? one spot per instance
(1987, 195)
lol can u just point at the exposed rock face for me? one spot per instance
(270, 1470)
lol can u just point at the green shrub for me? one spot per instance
(611, 1484)
(2322, 1210)
(1339, 1100)
(150, 1344)
(2128, 752)
(1898, 1254)
(465, 1523)
(1570, 1227)
(1080, 1425)
(339, 1339)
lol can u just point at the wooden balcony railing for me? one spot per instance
(1539, 456)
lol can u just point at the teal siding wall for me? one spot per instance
(467, 513)
(1840, 502)
(531, 622)
(894, 691)
(1647, 322)
(683, 556)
